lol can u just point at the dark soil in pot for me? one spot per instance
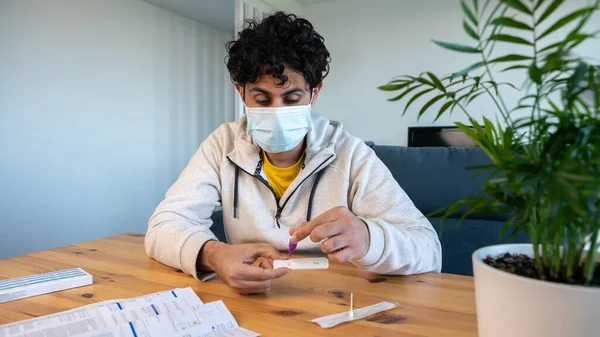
(524, 265)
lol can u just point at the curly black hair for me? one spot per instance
(279, 39)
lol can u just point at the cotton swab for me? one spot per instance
(352, 305)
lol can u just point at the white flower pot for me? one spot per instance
(513, 306)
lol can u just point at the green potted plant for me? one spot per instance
(545, 163)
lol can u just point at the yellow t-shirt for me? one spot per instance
(281, 178)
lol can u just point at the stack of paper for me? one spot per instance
(177, 313)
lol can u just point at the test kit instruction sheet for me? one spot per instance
(177, 313)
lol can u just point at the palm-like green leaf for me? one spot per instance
(429, 104)
(457, 47)
(566, 20)
(468, 69)
(406, 92)
(512, 23)
(393, 87)
(510, 38)
(535, 74)
(569, 43)
(469, 13)
(436, 81)
(549, 10)
(515, 67)
(538, 4)
(552, 46)
(470, 31)
(495, 85)
(518, 5)
(473, 97)
(511, 58)
(443, 109)
(414, 98)
(424, 81)
(577, 77)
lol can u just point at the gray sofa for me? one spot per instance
(434, 177)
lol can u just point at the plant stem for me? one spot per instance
(505, 113)
(537, 88)
(535, 242)
(535, 106)
(571, 247)
(487, 23)
(595, 91)
(496, 29)
(462, 108)
(487, 2)
(495, 101)
(487, 69)
(590, 261)
(546, 243)
(556, 260)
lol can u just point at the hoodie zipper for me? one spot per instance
(297, 187)
(261, 179)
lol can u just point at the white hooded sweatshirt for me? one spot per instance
(339, 170)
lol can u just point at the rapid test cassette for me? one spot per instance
(303, 264)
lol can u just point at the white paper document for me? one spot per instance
(177, 313)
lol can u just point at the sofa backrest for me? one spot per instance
(434, 177)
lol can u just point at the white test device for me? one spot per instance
(302, 264)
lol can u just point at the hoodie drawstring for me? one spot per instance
(235, 193)
(312, 194)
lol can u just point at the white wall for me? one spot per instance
(373, 41)
(102, 103)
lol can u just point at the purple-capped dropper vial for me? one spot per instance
(291, 247)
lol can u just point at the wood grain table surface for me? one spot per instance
(430, 304)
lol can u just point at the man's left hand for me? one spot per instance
(346, 236)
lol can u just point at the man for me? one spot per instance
(282, 173)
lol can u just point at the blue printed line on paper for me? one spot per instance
(132, 329)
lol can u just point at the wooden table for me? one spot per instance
(429, 304)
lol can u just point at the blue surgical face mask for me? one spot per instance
(279, 129)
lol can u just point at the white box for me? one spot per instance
(39, 284)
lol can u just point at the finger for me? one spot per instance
(251, 287)
(307, 227)
(254, 273)
(342, 255)
(327, 230)
(266, 264)
(269, 252)
(334, 244)
(294, 229)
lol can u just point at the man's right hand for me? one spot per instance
(233, 263)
